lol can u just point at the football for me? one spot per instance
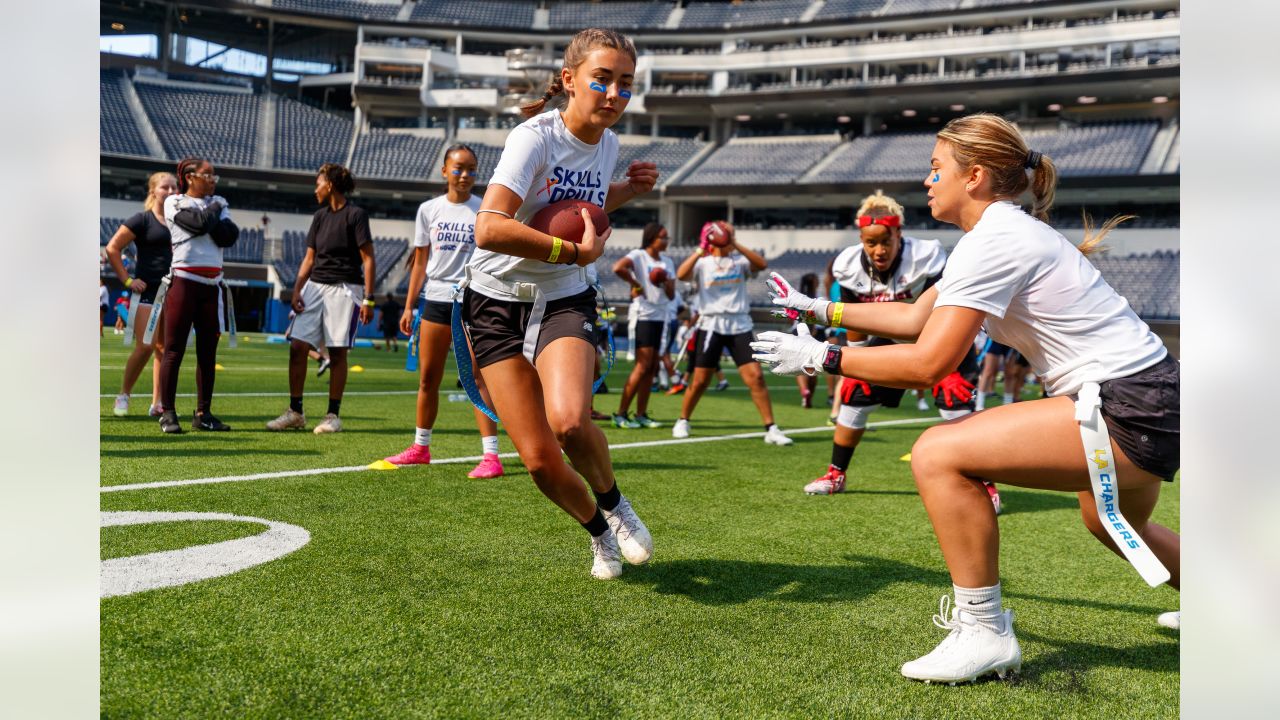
(718, 233)
(564, 219)
(658, 275)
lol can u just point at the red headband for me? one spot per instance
(891, 221)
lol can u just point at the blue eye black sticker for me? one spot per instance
(937, 177)
(597, 87)
(624, 94)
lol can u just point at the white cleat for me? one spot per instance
(330, 424)
(608, 559)
(633, 537)
(121, 408)
(921, 405)
(775, 436)
(680, 430)
(1171, 620)
(969, 651)
(290, 420)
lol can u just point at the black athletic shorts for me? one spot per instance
(148, 296)
(648, 334)
(969, 371)
(852, 393)
(497, 326)
(710, 345)
(440, 313)
(997, 349)
(1142, 416)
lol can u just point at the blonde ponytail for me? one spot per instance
(1092, 242)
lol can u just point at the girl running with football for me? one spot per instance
(442, 246)
(652, 277)
(719, 267)
(527, 301)
(200, 227)
(149, 233)
(1108, 430)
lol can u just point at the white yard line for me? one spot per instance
(477, 458)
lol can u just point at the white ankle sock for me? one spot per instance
(981, 400)
(490, 444)
(422, 436)
(1008, 398)
(983, 603)
(662, 375)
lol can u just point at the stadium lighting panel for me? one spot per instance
(1160, 99)
(909, 113)
(1055, 107)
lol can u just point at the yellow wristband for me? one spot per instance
(370, 302)
(837, 310)
(128, 281)
(556, 244)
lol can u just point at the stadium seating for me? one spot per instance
(487, 160)
(910, 7)
(877, 158)
(117, 131)
(669, 157)
(220, 126)
(107, 228)
(844, 9)
(248, 247)
(751, 13)
(620, 15)
(760, 163)
(396, 155)
(342, 8)
(490, 13)
(387, 252)
(306, 138)
(1148, 282)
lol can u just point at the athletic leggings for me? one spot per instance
(187, 304)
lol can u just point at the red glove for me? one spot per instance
(955, 390)
(850, 386)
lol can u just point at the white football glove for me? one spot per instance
(796, 306)
(790, 354)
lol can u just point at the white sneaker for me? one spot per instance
(330, 424)
(608, 561)
(680, 430)
(288, 421)
(121, 407)
(1171, 620)
(633, 537)
(774, 436)
(970, 651)
(154, 410)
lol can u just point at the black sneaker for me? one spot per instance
(169, 423)
(207, 422)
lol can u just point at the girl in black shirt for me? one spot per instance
(150, 235)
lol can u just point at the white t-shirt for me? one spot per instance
(449, 230)
(103, 297)
(1047, 301)
(722, 293)
(652, 303)
(544, 163)
(919, 264)
(192, 250)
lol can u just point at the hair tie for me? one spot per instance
(1033, 160)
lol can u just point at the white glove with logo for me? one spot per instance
(796, 306)
(790, 354)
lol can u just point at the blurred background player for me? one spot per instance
(389, 319)
(652, 277)
(720, 268)
(530, 310)
(886, 266)
(200, 228)
(104, 304)
(443, 243)
(328, 300)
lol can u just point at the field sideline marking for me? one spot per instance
(325, 393)
(477, 458)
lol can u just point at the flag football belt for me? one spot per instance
(226, 307)
(411, 354)
(524, 292)
(133, 315)
(1102, 476)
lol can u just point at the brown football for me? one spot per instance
(564, 219)
(658, 275)
(720, 233)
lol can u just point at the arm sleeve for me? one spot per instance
(193, 219)
(224, 233)
(363, 235)
(521, 160)
(983, 273)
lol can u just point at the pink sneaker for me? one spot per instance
(994, 494)
(490, 467)
(415, 455)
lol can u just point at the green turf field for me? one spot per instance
(424, 594)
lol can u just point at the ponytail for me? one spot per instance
(1044, 183)
(149, 203)
(1092, 240)
(554, 88)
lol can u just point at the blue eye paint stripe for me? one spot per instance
(624, 94)
(937, 177)
(597, 87)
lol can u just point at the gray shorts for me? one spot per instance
(330, 315)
